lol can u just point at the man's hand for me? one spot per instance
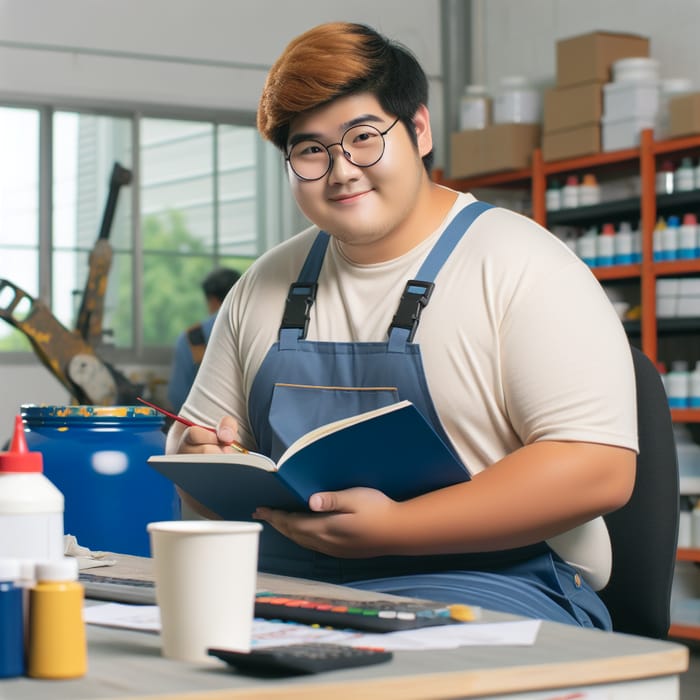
(202, 440)
(352, 523)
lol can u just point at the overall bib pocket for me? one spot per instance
(297, 409)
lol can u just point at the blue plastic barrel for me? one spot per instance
(96, 456)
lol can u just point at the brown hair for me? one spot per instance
(337, 59)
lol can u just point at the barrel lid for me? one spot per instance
(58, 414)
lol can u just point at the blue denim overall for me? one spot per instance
(303, 384)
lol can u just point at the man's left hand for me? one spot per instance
(349, 524)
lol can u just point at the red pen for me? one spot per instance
(189, 423)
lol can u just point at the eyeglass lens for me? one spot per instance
(362, 145)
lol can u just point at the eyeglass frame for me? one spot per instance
(287, 156)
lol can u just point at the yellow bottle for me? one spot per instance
(57, 645)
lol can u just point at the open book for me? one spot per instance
(392, 449)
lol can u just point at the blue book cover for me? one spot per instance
(392, 449)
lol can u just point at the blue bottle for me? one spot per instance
(11, 621)
(97, 456)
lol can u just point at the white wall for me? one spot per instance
(518, 37)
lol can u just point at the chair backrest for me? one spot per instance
(644, 531)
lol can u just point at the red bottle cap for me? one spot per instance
(690, 220)
(608, 230)
(18, 458)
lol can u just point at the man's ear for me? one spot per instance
(424, 134)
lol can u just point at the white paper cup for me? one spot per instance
(205, 576)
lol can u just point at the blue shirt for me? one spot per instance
(184, 368)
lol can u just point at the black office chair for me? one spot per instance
(644, 532)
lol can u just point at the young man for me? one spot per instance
(517, 358)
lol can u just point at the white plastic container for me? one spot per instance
(624, 245)
(517, 102)
(569, 193)
(474, 108)
(31, 507)
(670, 237)
(684, 177)
(677, 385)
(688, 237)
(635, 69)
(632, 99)
(624, 133)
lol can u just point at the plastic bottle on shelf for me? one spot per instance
(605, 246)
(586, 247)
(624, 244)
(670, 238)
(694, 387)
(553, 196)
(474, 108)
(688, 237)
(589, 191)
(56, 640)
(696, 173)
(11, 621)
(677, 384)
(569, 193)
(31, 507)
(658, 242)
(637, 243)
(664, 178)
(684, 176)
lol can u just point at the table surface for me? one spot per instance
(128, 664)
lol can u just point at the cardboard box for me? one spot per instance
(571, 143)
(684, 115)
(496, 148)
(588, 58)
(572, 107)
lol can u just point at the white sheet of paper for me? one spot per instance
(146, 618)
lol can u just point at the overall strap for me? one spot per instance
(417, 292)
(302, 294)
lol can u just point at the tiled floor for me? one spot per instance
(690, 681)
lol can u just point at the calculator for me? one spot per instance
(300, 659)
(368, 615)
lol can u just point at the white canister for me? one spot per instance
(517, 102)
(474, 108)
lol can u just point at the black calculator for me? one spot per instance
(370, 615)
(300, 659)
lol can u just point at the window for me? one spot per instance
(193, 203)
(19, 215)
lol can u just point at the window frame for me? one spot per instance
(276, 215)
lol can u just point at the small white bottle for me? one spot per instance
(677, 385)
(589, 191)
(684, 177)
(474, 108)
(553, 196)
(587, 247)
(658, 240)
(31, 507)
(569, 193)
(694, 387)
(688, 237)
(624, 244)
(664, 178)
(670, 239)
(605, 246)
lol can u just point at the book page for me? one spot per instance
(250, 459)
(333, 427)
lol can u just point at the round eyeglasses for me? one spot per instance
(363, 145)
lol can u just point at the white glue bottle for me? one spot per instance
(31, 507)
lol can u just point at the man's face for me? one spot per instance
(366, 209)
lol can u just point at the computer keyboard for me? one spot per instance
(118, 589)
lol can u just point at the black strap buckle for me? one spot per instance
(300, 299)
(412, 303)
